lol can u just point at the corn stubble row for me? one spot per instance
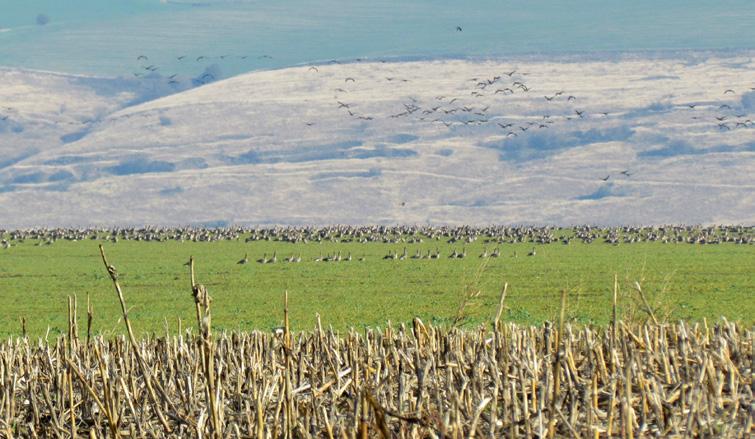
(416, 382)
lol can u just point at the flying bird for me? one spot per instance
(458, 29)
(311, 68)
(729, 91)
(606, 177)
(349, 79)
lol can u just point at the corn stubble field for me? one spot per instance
(416, 382)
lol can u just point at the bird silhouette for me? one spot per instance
(458, 29)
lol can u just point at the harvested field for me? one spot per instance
(414, 382)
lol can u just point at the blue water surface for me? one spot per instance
(105, 37)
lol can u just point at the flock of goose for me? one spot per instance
(406, 234)
(392, 255)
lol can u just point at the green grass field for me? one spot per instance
(687, 281)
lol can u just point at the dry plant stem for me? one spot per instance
(613, 310)
(648, 308)
(557, 367)
(202, 303)
(142, 365)
(497, 320)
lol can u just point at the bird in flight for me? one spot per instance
(181, 58)
(311, 68)
(349, 79)
(458, 29)
(141, 57)
(729, 91)
(606, 177)
(626, 172)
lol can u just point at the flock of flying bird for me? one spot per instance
(468, 110)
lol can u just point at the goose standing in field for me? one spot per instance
(463, 253)
(274, 259)
(244, 260)
(262, 260)
(348, 258)
(404, 254)
(484, 253)
(390, 255)
(362, 259)
(496, 253)
(417, 255)
(453, 254)
(532, 253)
(435, 255)
(319, 258)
